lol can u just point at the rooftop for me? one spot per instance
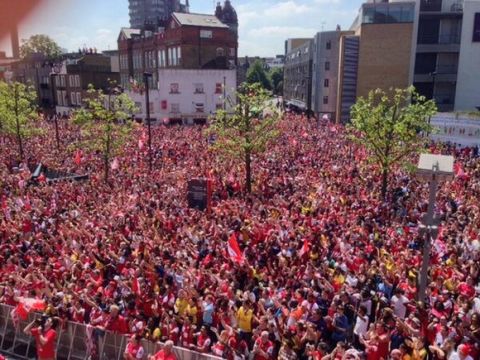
(199, 20)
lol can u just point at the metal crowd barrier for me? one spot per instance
(72, 342)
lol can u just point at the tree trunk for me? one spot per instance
(17, 120)
(384, 183)
(248, 172)
(107, 166)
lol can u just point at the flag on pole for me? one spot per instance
(234, 250)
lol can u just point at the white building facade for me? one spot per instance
(187, 96)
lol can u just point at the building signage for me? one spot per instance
(199, 194)
(476, 28)
(206, 34)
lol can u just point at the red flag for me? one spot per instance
(234, 250)
(458, 170)
(78, 157)
(42, 178)
(25, 306)
(305, 248)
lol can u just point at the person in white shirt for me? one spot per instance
(399, 303)
(361, 324)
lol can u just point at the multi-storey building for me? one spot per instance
(446, 66)
(325, 69)
(199, 50)
(72, 78)
(145, 13)
(297, 81)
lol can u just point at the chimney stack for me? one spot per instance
(15, 42)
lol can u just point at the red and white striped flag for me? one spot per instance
(234, 250)
(24, 307)
(305, 248)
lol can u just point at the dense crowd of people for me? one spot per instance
(329, 270)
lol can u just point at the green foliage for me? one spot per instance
(18, 112)
(391, 126)
(276, 76)
(42, 44)
(257, 74)
(246, 131)
(105, 122)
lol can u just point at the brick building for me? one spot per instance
(72, 78)
(194, 52)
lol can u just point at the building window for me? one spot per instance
(71, 81)
(79, 99)
(218, 88)
(57, 81)
(325, 100)
(232, 52)
(329, 45)
(198, 88)
(73, 98)
(179, 55)
(199, 107)
(175, 108)
(139, 106)
(206, 34)
(59, 97)
(219, 106)
(77, 81)
(326, 83)
(174, 88)
(62, 81)
(327, 65)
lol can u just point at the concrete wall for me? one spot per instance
(468, 80)
(384, 56)
(186, 99)
(322, 55)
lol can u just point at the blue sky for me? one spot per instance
(264, 24)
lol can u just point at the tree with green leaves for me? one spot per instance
(257, 74)
(391, 126)
(40, 44)
(18, 112)
(276, 75)
(105, 122)
(245, 131)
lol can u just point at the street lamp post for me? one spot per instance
(434, 169)
(54, 115)
(146, 76)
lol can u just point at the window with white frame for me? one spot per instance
(79, 98)
(59, 97)
(62, 81)
(71, 80)
(174, 88)
(174, 108)
(77, 81)
(179, 55)
(198, 88)
(73, 98)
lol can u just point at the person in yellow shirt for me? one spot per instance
(181, 304)
(192, 310)
(245, 319)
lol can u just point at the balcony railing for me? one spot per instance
(447, 69)
(446, 39)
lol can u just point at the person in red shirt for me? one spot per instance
(116, 322)
(45, 337)
(134, 349)
(263, 347)
(165, 354)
